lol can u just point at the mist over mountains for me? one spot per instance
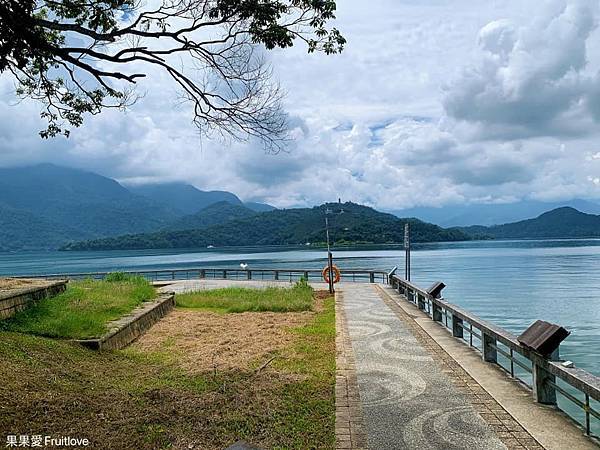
(564, 222)
(48, 207)
(492, 214)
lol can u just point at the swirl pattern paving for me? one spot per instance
(408, 403)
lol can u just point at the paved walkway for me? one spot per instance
(181, 286)
(410, 400)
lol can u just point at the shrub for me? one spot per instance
(302, 283)
(115, 277)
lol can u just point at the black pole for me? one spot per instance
(407, 252)
(408, 263)
(330, 262)
(329, 257)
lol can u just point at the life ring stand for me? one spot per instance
(336, 274)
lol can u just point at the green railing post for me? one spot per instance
(488, 346)
(437, 311)
(457, 330)
(542, 391)
(420, 302)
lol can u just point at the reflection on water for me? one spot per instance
(511, 283)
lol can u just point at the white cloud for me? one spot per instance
(432, 103)
(532, 80)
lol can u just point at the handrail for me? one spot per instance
(227, 272)
(544, 370)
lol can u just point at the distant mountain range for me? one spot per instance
(349, 223)
(562, 222)
(46, 206)
(491, 214)
(189, 200)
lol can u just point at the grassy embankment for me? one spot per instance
(135, 399)
(84, 309)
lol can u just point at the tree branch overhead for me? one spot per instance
(82, 56)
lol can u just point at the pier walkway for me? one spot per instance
(407, 400)
(403, 381)
(413, 394)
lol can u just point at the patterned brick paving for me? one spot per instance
(349, 424)
(508, 430)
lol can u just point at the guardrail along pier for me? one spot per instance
(547, 377)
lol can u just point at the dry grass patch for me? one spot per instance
(202, 341)
(151, 396)
(11, 284)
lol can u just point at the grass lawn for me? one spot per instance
(83, 310)
(237, 300)
(135, 399)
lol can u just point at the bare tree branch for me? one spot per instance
(211, 49)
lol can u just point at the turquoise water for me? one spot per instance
(511, 283)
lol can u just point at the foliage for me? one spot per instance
(237, 300)
(356, 223)
(83, 310)
(79, 57)
(118, 277)
(302, 283)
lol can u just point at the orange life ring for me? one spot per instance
(336, 274)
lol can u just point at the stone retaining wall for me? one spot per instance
(127, 329)
(17, 300)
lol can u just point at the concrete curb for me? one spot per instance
(127, 329)
(19, 299)
(349, 421)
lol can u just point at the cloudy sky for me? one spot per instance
(432, 103)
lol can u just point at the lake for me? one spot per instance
(510, 283)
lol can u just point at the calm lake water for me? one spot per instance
(511, 283)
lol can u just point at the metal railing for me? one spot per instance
(291, 275)
(546, 377)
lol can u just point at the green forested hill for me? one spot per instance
(563, 222)
(45, 206)
(349, 223)
(48, 206)
(259, 207)
(214, 214)
(20, 230)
